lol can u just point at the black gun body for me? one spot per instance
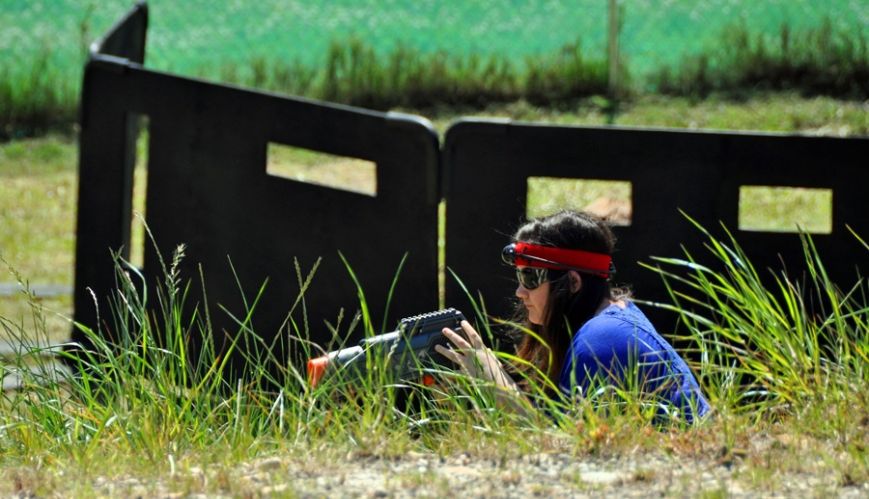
(410, 348)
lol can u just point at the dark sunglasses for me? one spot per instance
(532, 278)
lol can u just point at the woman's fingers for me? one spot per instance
(475, 363)
(474, 340)
(455, 339)
(473, 336)
(470, 354)
(458, 358)
(449, 354)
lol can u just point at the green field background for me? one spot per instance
(196, 37)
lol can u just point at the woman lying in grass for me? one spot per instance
(587, 333)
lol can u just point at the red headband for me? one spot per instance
(547, 257)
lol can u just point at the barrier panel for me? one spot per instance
(208, 188)
(488, 164)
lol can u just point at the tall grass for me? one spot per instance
(144, 392)
(781, 354)
(353, 72)
(36, 97)
(814, 61)
(769, 341)
(157, 378)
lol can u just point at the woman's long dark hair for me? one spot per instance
(565, 311)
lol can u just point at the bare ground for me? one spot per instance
(428, 475)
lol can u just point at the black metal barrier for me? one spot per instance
(700, 173)
(208, 188)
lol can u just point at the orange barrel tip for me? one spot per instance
(316, 369)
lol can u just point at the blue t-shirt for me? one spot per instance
(618, 342)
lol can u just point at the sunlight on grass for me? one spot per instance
(38, 185)
(328, 170)
(787, 387)
(140, 193)
(785, 209)
(608, 199)
(53, 318)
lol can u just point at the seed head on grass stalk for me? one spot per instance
(138, 392)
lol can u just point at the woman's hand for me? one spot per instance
(473, 357)
(477, 361)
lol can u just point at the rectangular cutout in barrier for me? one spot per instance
(327, 170)
(765, 208)
(608, 199)
(138, 239)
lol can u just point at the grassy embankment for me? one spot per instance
(154, 413)
(36, 97)
(789, 399)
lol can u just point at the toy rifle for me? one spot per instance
(408, 350)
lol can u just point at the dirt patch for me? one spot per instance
(539, 475)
